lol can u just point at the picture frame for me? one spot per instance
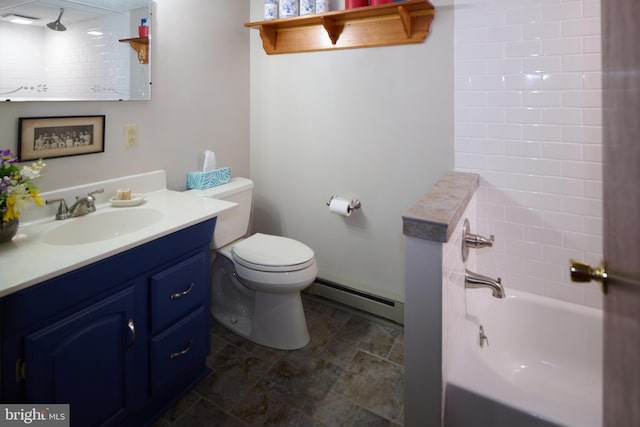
(51, 137)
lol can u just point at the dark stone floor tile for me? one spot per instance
(371, 336)
(180, 407)
(374, 383)
(335, 410)
(350, 374)
(216, 346)
(313, 305)
(339, 352)
(339, 315)
(261, 407)
(161, 422)
(234, 372)
(366, 418)
(401, 417)
(301, 379)
(206, 414)
(397, 353)
(322, 330)
(265, 353)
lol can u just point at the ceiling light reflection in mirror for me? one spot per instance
(86, 62)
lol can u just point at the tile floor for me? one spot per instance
(350, 374)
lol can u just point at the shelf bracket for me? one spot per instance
(333, 30)
(405, 17)
(269, 36)
(141, 46)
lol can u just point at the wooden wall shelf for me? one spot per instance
(140, 45)
(384, 25)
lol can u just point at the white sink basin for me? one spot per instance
(97, 227)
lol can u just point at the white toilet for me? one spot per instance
(256, 280)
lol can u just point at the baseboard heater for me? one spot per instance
(374, 304)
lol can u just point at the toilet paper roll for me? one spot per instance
(340, 207)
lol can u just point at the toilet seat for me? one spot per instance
(264, 252)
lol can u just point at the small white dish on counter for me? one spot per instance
(135, 200)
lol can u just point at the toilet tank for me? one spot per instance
(234, 223)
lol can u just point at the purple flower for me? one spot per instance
(9, 157)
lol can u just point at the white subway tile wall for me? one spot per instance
(453, 290)
(67, 64)
(528, 120)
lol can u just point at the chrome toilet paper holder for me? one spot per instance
(353, 204)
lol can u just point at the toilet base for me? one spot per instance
(279, 321)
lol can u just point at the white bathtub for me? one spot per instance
(544, 357)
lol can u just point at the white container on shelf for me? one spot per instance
(322, 6)
(289, 8)
(307, 7)
(270, 9)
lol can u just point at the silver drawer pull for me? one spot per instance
(183, 293)
(181, 353)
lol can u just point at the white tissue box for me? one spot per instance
(202, 180)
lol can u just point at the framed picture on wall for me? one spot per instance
(49, 137)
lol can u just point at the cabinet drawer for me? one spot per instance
(179, 349)
(178, 290)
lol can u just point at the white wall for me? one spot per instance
(200, 100)
(374, 123)
(528, 120)
(434, 318)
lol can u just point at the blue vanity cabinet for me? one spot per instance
(120, 340)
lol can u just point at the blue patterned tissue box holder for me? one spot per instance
(202, 180)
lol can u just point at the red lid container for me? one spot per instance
(377, 2)
(350, 4)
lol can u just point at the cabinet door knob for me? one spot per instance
(132, 328)
(183, 293)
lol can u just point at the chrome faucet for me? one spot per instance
(477, 241)
(82, 206)
(473, 241)
(475, 280)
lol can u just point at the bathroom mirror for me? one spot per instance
(74, 50)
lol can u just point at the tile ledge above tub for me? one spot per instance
(436, 214)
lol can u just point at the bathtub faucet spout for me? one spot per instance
(475, 280)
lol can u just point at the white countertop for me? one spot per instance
(28, 260)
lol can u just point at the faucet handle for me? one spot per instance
(475, 241)
(91, 200)
(63, 210)
(99, 190)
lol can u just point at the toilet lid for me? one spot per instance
(265, 252)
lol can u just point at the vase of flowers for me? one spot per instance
(17, 190)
